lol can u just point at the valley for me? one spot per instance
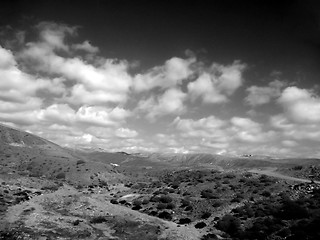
(48, 192)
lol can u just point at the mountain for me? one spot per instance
(22, 153)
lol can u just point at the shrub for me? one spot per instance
(98, 219)
(297, 168)
(171, 206)
(209, 236)
(165, 199)
(266, 193)
(188, 208)
(113, 201)
(165, 215)
(80, 162)
(184, 221)
(200, 225)
(217, 203)
(161, 206)
(185, 202)
(205, 215)
(136, 202)
(175, 185)
(230, 176)
(136, 207)
(61, 176)
(229, 224)
(155, 198)
(207, 193)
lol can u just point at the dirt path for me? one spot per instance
(272, 173)
(58, 210)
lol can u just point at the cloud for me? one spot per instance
(100, 82)
(20, 92)
(126, 133)
(170, 102)
(215, 84)
(204, 88)
(53, 34)
(85, 46)
(247, 130)
(300, 105)
(263, 95)
(209, 127)
(171, 74)
(295, 130)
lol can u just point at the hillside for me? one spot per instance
(24, 154)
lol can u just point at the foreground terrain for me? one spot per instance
(48, 192)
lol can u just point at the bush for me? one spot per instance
(136, 207)
(200, 225)
(209, 236)
(185, 202)
(184, 221)
(229, 224)
(136, 202)
(266, 193)
(113, 201)
(80, 162)
(217, 203)
(171, 206)
(297, 168)
(188, 208)
(207, 193)
(165, 199)
(98, 219)
(161, 206)
(61, 176)
(165, 215)
(205, 215)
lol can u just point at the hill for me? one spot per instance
(25, 154)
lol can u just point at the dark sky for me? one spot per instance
(174, 99)
(271, 35)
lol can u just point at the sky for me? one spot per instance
(221, 77)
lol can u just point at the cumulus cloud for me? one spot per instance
(171, 74)
(170, 102)
(85, 46)
(263, 95)
(63, 90)
(209, 127)
(215, 84)
(249, 131)
(53, 34)
(300, 105)
(295, 130)
(99, 82)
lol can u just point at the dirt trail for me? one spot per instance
(272, 173)
(50, 209)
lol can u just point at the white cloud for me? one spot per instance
(54, 34)
(249, 131)
(296, 130)
(300, 105)
(105, 80)
(289, 143)
(170, 102)
(126, 133)
(263, 95)
(100, 116)
(214, 85)
(171, 74)
(209, 127)
(58, 113)
(85, 46)
(205, 88)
